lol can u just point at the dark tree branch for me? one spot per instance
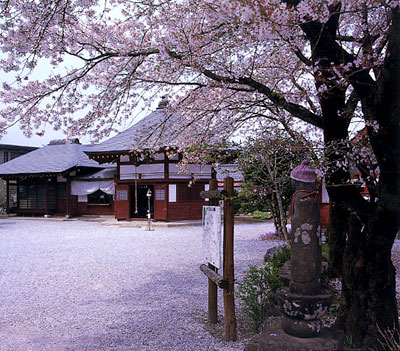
(351, 104)
(303, 59)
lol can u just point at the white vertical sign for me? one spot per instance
(172, 193)
(212, 235)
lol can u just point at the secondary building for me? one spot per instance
(57, 179)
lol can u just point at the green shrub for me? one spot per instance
(254, 292)
(256, 288)
(280, 257)
(261, 215)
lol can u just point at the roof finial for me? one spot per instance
(163, 103)
(64, 141)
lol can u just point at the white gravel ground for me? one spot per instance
(84, 286)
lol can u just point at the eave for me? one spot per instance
(64, 173)
(110, 156)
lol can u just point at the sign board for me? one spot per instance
(212, 235)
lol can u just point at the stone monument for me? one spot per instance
(304, 301)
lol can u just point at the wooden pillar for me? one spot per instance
(67, 190)
(166, 166)
(7, 196)
(47, 196)
(229, 297)
(56, 195)
(166, 177)
(212, 287)
(17, 196)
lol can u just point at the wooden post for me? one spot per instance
(68, 197)
(212, 287)
(17, 196)
(8, 196)
(47, 196)
(229, 297)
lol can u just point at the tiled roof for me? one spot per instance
(228, 170)
(49, 159)
(156, 129)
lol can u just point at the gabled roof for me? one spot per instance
(49, 159)
(153, 131)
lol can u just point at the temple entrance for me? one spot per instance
(139, 205)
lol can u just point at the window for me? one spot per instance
(172, 193)
(13, 193)
(99, 197)
(32, 197)
(5, 156)
(160, 195)
(122, 195)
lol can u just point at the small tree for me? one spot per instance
(266, 163)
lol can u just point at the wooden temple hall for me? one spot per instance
(58, 179)
(117, 177)
(174, 194)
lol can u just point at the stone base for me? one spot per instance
(301, 329)
(275, 339)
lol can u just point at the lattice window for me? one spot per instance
(32, 196)
(122, 195)
(160, 195)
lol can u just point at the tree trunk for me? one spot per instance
(369, 288)
(282, 215)
(368, 297)
(361, 233)
(361, 238)
(275, 216)
(336, 236)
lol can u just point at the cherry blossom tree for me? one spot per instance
(226, 64)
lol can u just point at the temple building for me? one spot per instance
(127, 176)
(148, 176)
(9, 152)
(58, 179)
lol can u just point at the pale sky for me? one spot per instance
(16, 137)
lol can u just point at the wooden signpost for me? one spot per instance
(215, 280)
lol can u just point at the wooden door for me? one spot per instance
(121, 202)
(160, 202)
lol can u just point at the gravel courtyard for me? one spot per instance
(86, 286)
